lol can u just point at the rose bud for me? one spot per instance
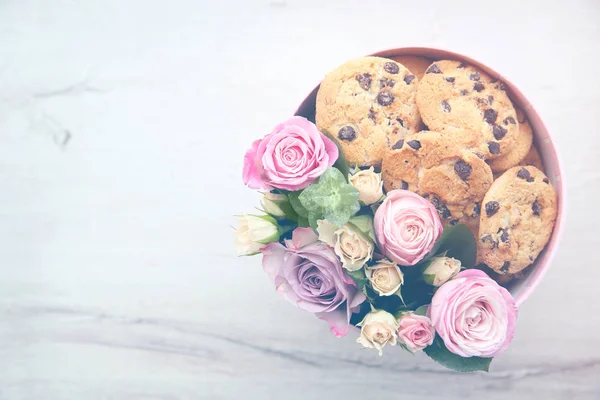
(441, 270)
(254, 232)
(369, 185)
(378, 328)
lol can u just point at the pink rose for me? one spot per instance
(406, 227)
(291, 157)
(474, 315)
(416, 331)
(309, 274)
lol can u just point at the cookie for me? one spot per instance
(460, 100)
(416, 65)
(365, 104)
(533, 158)
(439, 168)
(518, 153)
(517, 218)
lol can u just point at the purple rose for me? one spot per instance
(309, 274)
(291, 157)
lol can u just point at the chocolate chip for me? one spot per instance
(491, 208)
(494, 148)
(478, 86)
(481, 101)
(391, 67)
(494, 80)
(476, 210)
(398, 144)
(385, 98)
(404, 184)
(383, 82)
(347, 133)
(364, 81)
(509, 120)
(545, 180)
(504, 267)
(434, 69)
(400, 121)
(488, 238)
(453, 222)
(530, 179)
(463, 169)
(460, 66)
(464, 92)
(490, 116)
(499, 132)
(490, 99)
(480, 155)
(523, 173)
(504, 235)
(415, 144)
(446, 107)
(450, 79)
(475, 76)
(500, 86)
(372, 115)
(536, 207)
(444, 212)
(409, 78)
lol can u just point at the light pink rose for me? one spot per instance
(474, 315)
(406, 227)
(309, 274)
(291, 157)
(416, 331)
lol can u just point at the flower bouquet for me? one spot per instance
(408, 266)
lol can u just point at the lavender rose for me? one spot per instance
(474, 315)
(308, 274)
(291, 157)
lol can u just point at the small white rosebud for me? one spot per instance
(274, 204)
(369, 185)
(378, 328)
(254, 232)
(385, 277)
(440, 270)
(350, 244)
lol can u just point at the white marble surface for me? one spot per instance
(122, 129)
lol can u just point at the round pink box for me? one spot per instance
(522, 288)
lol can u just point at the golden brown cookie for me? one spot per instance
(462, 101)
(518, 153)
(416, 65)
(438, 167)
(365, 104)
(533, 158)
(517, 218)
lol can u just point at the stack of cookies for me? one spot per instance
(449, 132)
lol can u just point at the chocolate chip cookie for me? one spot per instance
(365, 104)
(416, 65)
(439, 168)
(519, 151)
(517, 218)
(460, 100)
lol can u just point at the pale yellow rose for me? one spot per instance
(351, 245)
(272, 204)
(254, 232)
(378, 328)
(386, 277)
(441, 270)
(369, 185)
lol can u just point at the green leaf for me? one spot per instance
(359, 277)
(458, 241)
(365, 224)
(341, 164)
(422, 310)
(313, 221)
(439, 353)
(303, 222)
(330, 198)
(297, 205)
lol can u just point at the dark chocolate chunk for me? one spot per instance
(523, 173)
(443, 211)
(491, 208)
(446, 107)
(433, 69)
(490, 99)
(478, 86)
(415, 144)
(500, 86)
(385, 98)
(504, 267)
(475, 76)
(536, 207)
(372, 115)
(476, 210)
(504, 236)
(463, 169)
(490, 116)
(481, 101)
(545, 180)
(499, 132)
(453, 222)
(494, 148)
(398, 144)
(408, 79)
(460, 66)
(530, 179)
(509, 120)
(400, 121)
(347, 133)
(488, 238)
(383, 82)
(364, 81)
(464, 92)
(391, 67)
(450, 79)
(404, 184)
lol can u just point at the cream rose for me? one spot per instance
(274, 204)
(369, 185)
(254, 232)
(378, 328)
(441, 270)
(385, 276)
(350, 244)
